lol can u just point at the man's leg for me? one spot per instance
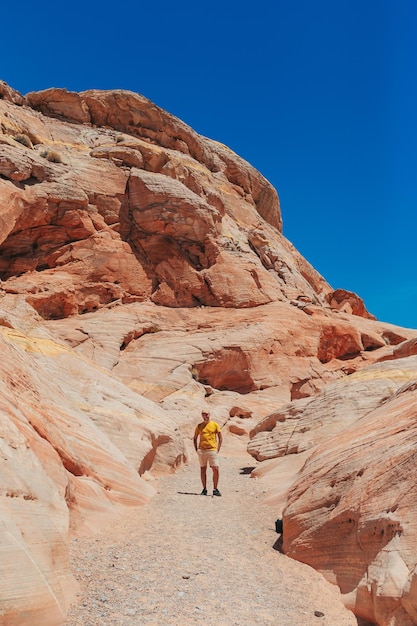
(215, 476)
(203, 474)
(215, 467)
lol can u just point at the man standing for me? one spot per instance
(207, 443)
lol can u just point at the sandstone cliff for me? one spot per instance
(144, 275)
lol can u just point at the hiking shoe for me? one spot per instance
(216, 492)
(204, 492)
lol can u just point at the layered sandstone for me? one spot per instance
(144, 275)
(348, 504)
(355, 520)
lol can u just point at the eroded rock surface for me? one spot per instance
(144, 276)
(348, 506)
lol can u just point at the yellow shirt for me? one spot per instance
(207, 432)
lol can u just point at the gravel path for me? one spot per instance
(190, 559)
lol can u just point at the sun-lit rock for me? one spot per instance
(348, 508)
(143, 276)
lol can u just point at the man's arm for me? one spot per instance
(195, 440)
(219, 440)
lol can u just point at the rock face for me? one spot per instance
(360, 521)
(144, 276)
(348, 511)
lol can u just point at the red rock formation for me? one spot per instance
(348, 508)
(144, 275)
(351, 513)
(349, 302)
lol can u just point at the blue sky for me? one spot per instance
(320, 96)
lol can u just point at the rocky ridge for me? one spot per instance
(144, 275)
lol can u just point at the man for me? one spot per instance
(207, 443)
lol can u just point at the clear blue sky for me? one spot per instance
(319, 95)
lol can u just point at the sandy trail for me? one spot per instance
(190, 559)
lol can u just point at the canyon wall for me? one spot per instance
(144, 277)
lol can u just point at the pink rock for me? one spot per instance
(350, 511)
(144, 275)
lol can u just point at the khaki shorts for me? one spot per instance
(208, 456)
